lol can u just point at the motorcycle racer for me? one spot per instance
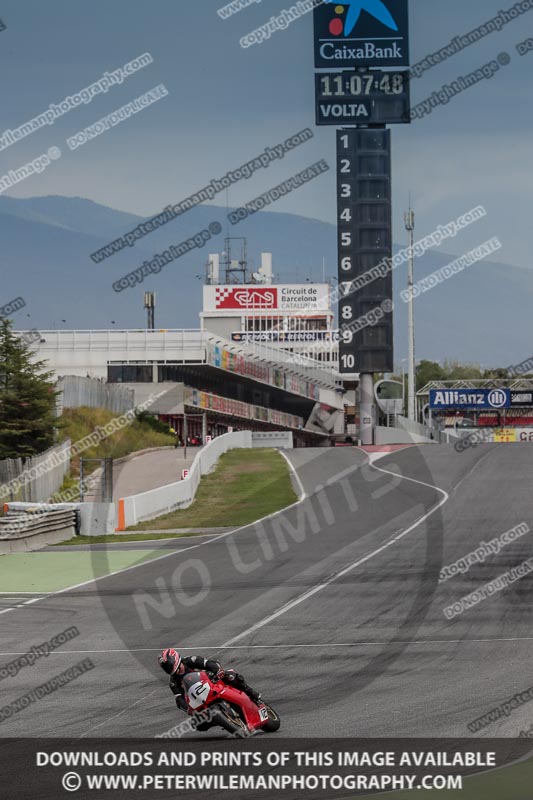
(177, 667)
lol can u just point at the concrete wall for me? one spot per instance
(28, 542)
(484, 435)
(170, 402)
(96, 519)
(281, 439)
(223, 326)
(399, 436)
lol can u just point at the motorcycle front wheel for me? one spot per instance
(273, 720)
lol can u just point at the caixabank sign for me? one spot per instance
(362, 33)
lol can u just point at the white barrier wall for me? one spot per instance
(139, 507)
(272, 439)
(483, 435)
(399, 436)
(95, 518)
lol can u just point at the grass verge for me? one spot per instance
(508, 783)
(245, 486)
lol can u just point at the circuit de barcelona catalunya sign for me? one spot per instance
(362, 33)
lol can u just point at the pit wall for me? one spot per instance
(482, 435)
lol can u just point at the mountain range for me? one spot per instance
(481, 315)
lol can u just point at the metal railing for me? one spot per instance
(39, 477)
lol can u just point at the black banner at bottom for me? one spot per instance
(257, 767)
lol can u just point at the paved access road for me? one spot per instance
(151, 470)
(333, 608)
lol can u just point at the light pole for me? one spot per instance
(409, 218)
(403, 385)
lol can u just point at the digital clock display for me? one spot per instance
(362, 84)
(362, 98)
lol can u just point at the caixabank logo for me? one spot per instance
(362, 33)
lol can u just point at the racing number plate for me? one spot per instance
(263, 713)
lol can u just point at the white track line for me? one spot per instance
(295, 474)
(100, 724)
(287, 646)
(323, 585)
(168, 555)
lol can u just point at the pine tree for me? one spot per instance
(27, 399)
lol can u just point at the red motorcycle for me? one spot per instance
(214, 703)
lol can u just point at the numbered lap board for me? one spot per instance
(364, 246)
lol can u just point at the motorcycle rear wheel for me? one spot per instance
(222, 718)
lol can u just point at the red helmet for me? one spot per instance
(170, 660)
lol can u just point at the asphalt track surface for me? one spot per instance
(338, 620)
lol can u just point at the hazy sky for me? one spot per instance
(226, 104)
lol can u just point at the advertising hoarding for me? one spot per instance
(249, 298)
(470, 398)
(361, 33)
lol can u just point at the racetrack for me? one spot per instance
(332, 609)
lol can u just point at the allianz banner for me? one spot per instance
(470, 398)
